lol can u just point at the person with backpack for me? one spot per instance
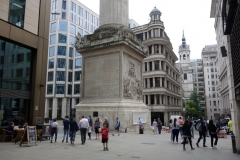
(213, 133)
(117, 127)
(159, 125)
(201, 127)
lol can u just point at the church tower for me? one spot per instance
(186, 68)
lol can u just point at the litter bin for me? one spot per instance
(234, 144)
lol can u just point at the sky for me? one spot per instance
(192, 16)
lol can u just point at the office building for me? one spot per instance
(24, 37)
(68, 18)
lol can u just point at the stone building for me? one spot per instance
(209, 55)
(24, 26)
(185, 68)
(227, 27)
(68, 19)
(161, 86)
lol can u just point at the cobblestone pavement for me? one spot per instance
(127, 146)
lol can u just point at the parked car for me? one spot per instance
(224, 125)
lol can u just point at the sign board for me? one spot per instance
(29, 136)
(38, 119)
(46, 131)
(142, 115)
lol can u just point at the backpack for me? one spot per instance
(199, 126)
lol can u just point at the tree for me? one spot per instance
(193, 108)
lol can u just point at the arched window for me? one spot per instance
(184, 57)
(185, 76)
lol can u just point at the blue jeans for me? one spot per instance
(66, 132)
(202, 134)
(54, 131)
(175, 133)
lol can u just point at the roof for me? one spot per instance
(210, 48)
(184, 45)
(155, 11)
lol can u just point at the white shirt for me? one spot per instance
(83, 123)
(54, 124)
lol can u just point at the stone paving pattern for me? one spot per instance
(127, 146)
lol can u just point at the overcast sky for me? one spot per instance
(192, 16)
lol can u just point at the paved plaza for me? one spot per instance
(127, 146)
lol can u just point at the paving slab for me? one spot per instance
(127, 146)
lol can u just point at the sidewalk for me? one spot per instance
(127, 146)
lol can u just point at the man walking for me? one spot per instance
(117, 127)
(66, 123)
(83, 124)
(159, 125)
(201, 127)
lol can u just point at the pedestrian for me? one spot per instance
(140, 123)
(54, 126)
(73, 129)
(117, 127)
(89, 132)
(170, 129)
(187, 134)
(180, 122)
(154, 124)
(104, 132)
(66, 123)
(175, 130)
(90, 121)
(201, 127)
(159, 125)
(83, 124)
(230, 126)
(213, 133)
(96, 127)
(106, 122)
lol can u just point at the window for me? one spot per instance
(19, 73)
(150, 49)
(69, 76)
(62, 38)
(157, 82)
(70, 66)
(51, 63)
(17, 12)
(60, 88)
(63, 15)
(77, 54)
(80, 11)
(145, 66)
(20, 58)
(76, 88)
(50, 76)
(62, 50)
(78, 63)
(213, 88)
(70, 51)
(51, 51)
(156, 65)
(72, 29)
(69, 89)
(80, 31)
(71, 40)
(162, 47)
(64, 4)
(77, 75)
(214, 103)
(61, 63)
(53, 27)
(52, 39)
(185, 76)
(210, 103)
(60, 76)
(49, 89)
(63, 26)
(156, 48)
(86, 33)
(73, 7)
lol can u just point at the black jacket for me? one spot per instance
(187, 129)
(73, 125)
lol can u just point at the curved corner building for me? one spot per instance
(161, 79)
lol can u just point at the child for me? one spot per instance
(104, 132)
(89, 131)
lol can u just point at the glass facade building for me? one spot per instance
(64, 62)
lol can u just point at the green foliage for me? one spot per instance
(192, 106)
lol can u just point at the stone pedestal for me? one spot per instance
(112, 76)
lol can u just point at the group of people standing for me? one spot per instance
(186, 130)
(85, 125)
(157, 126)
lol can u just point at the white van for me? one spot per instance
(175, 116)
